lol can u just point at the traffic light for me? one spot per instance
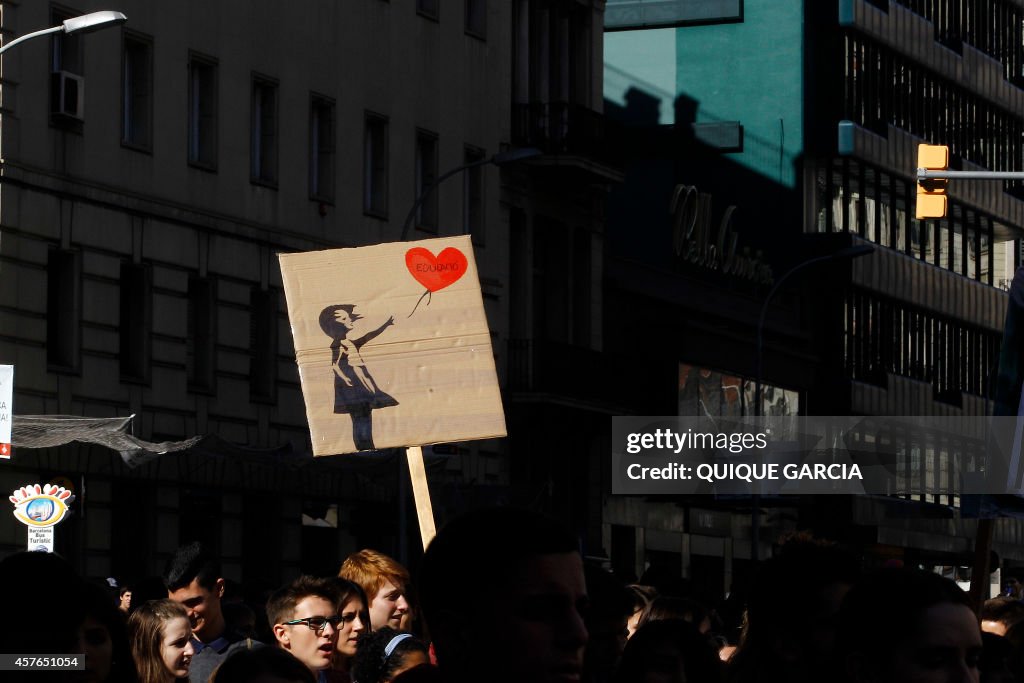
(931, 192)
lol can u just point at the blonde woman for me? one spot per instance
(161, 641)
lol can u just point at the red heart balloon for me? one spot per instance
(435, 272)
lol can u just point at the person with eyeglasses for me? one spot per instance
(305, 621)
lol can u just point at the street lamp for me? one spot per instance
(87, 23)
(848, 253)
(499, 159)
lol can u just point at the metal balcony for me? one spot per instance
(562, 128)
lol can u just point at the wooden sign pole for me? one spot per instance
(421, 493)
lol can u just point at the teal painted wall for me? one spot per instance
(751, 72)
(642, 65)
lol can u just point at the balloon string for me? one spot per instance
(425, 293)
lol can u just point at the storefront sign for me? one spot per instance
(695, 240)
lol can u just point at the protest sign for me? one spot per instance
(392, 345)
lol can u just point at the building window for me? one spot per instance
(476, 18)
(202, 334)
(263, 141)
(63, 310)
(67, 80)
(428, 8)
(426, 178)
(263, 345)
(473, 195)
(321, 149)
(992, 26)
(706, 392)
(883, 88)
(884, 336)
(137, 93)
(202, 112)
(136, 321)
(877, 205)
(375, 166)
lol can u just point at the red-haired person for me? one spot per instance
(385, 583)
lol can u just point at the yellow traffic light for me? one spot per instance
(931, 192)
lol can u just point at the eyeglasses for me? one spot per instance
(317, 624)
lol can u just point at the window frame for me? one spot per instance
(432, 13)
(194, 117)
(145, 41)
(260, 84)
(469, 29)
(371, 169)
(318, 102)
(425, 179)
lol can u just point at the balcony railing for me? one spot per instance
(562, 128)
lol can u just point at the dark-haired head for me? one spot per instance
(192, 562)
(998, 615)
(504, 585)
(355, 620)
(665, 607)
(192, 577)
(281, 604)
(385, 653)
(103, 638)
(263, 663)
(792, 609)
(36, 586)
(474, 551)
(896, 621)
(670, 649)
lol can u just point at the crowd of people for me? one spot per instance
(504, 595)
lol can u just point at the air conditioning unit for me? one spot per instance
(67, 95)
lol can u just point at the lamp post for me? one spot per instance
(849, 253)
(87, 23)
(499, 159)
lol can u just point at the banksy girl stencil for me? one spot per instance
(370, 381)
(355, 392)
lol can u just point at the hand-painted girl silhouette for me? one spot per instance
(355, 392)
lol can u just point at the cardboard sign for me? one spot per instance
(6, 419)
(392, 345)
